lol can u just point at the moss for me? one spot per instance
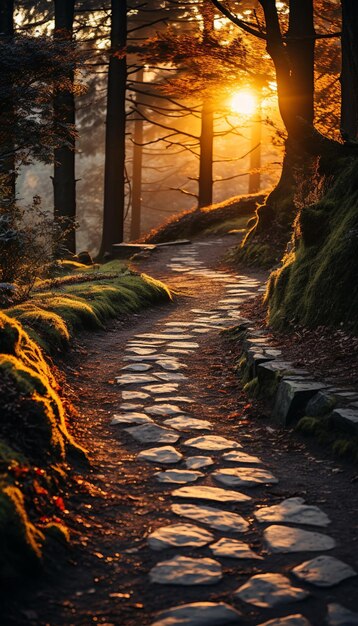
(253, 254)
(251, 387)
(226, 226)
(316, 284)
(20, 542)
(329, 435)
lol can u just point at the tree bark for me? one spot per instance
(137, 171)
(349, 75)
(114, 178)
(205, 196)
(64, 180)
(255, 155)
(7, 115)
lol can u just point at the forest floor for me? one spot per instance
(104, 577)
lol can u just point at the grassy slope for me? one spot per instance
(317, 281)
(214, 219)
(35, 445)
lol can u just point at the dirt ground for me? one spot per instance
(103, 578)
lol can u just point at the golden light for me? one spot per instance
(243, 102)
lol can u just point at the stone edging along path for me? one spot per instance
(214, 507)
(292, 391)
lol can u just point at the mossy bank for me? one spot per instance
(37, 450)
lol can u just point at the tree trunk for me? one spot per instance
(64, 180)
(7, 115)
(114, 178)
(205, 196)
(349, 75)
(255, 155)
(137, 171)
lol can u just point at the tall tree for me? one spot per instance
(7, 140)
(114, 177)
(349, 75)
(137, 169)
(64, 181)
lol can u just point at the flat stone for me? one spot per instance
(141, 351)
(184, 344)
(134, 395)
(290, 620)
(240, 457)
(138, 358)
(271, 373)
(346, 419)
(196, 462)
(183, 324)
(170, 366)
(178, 476)
(182, 570)
(164, 410)
(168, 388)
(292, 510)
(148, 433)
(212, 442)
(233, 549)
(179, 536)
(323, 571)
(180, 399)
(137, 367)
(135, 379)
(338, 615)
(170, 376)
(130, 406)
(269, 590)
(163, 454)
(284, 539)
(131, 418)
(199, 614)
(215, 518)
(244, 477)
(203, 492)
(184, 422)
(321, 404)
(292, 397)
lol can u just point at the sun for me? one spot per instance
(243, 102)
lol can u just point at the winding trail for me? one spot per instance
(191, 500)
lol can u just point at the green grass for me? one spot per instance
(36, 448)
(317, 281)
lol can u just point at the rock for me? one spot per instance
(141, 351)
(170, 366)
(164, 410)
(211, 442)
(163, 454)
(168, 388)
(179, 536)
(130, 406)
(291, 399)
(184, 422)
(323, 571)
(233, 549)
(132, 418)
(269, 590)
(199, 614)
(180, 399)
(185, 345)
(215, 518)
(321, 404)
(182, 570)
(9, 294)
(284, 539)
(135, 379)
(290, 620)
(338, 615)
(294, 511)
(178, 476)
(134, 395)
(148, 433)
(137, 367)
(203, 492)
(244, 477)
(165, 337)
(196, 462)
(347, 419)
(240, 457)
(270, 374)
(170, 376)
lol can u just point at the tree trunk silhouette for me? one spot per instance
(7, 115)
(349, 75)
(64, 180)
(205, 196)
(114, 177)
(255, 155)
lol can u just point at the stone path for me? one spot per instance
(220, 512)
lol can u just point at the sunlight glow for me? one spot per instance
(243, 102)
